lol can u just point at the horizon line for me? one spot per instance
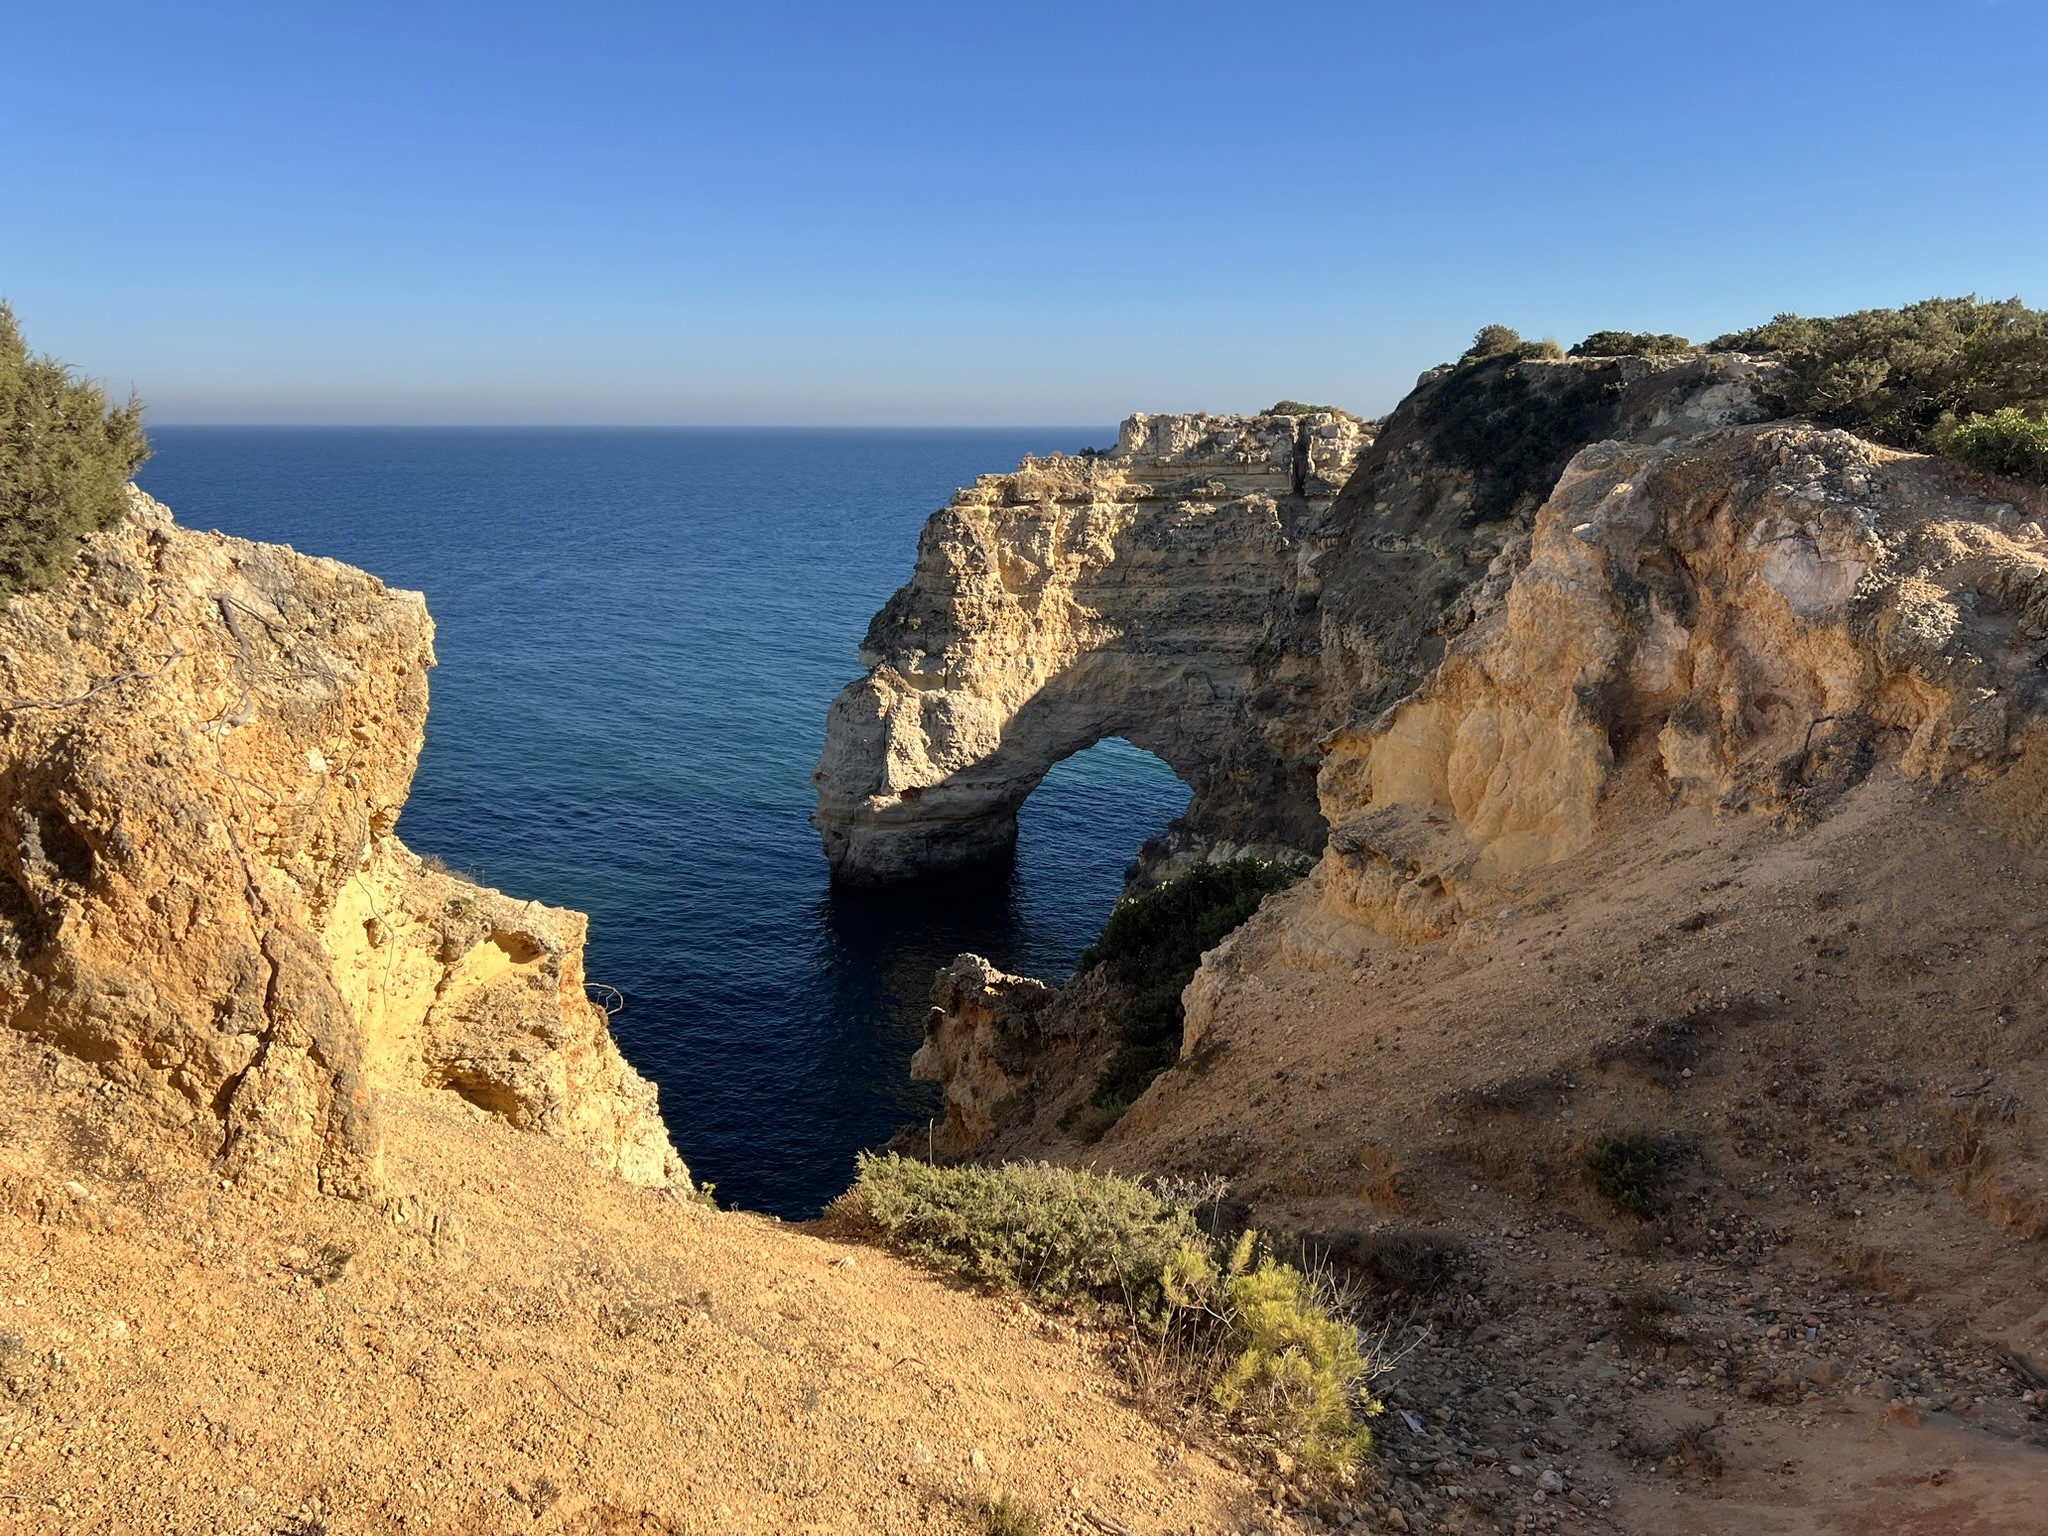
(644, 426)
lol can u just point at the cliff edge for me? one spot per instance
(205, 745)
(230, 991)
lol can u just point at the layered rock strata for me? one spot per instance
(204, 747)
(985, 1040)
(1132, 594)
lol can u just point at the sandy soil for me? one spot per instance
(1836, 1317)
(511, 1342)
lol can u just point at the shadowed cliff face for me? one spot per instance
(1131, 595)
(204, 747)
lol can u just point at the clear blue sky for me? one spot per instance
(973, 212)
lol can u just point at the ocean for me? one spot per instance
(639, 631)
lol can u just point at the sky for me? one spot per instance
(975, 213)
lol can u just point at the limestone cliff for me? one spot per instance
(1665, 1019)
(1765, 611)
(204, 747)
(1537, 572)
(1138, 594)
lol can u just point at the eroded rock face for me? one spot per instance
(204, 747)
(985, 1040)
(1539, 574)
(1133, 594)
(1768, 609)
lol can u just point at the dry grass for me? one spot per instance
(1007, 1515)
(1690, 1448)
(1405, 1261)
(1386, 1184)
(1982, 1152)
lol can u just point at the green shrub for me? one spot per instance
(1632, 1171)
(65, 458)
(1263, 1340)
(1064, 1236)
(1005, 1515)
(1630, 344)
(2005, 442)
(1493, 341)
(1900, 376)
(1505, 341)
(1296, 1371)
(1151, 946)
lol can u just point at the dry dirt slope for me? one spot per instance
(511, 1342)
(1840, 1032)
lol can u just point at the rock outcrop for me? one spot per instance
(1767, 611)
(1136, 594)
(204, 747)
(985, 1040)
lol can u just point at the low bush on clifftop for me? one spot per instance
(1263, 1341)
(65, 459)
(2007, 442)
(1907, 376)
(1064, 1236)
(1505, 341)
(1151, 946)
(1631, 344)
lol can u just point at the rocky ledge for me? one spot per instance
(205, 745)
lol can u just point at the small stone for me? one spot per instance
(978, 1461)
(1549, 1481)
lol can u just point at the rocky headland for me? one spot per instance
(207, 746)
(1660, 1025)
(1139, 593)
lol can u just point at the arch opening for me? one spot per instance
(1079, 831)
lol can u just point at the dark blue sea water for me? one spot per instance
(639, 632)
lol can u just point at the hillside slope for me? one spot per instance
(509, 1341)
(1660, 1033)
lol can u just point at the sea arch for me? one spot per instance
(1146, 593)
(939, 776)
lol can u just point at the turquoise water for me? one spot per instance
(639, 632)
